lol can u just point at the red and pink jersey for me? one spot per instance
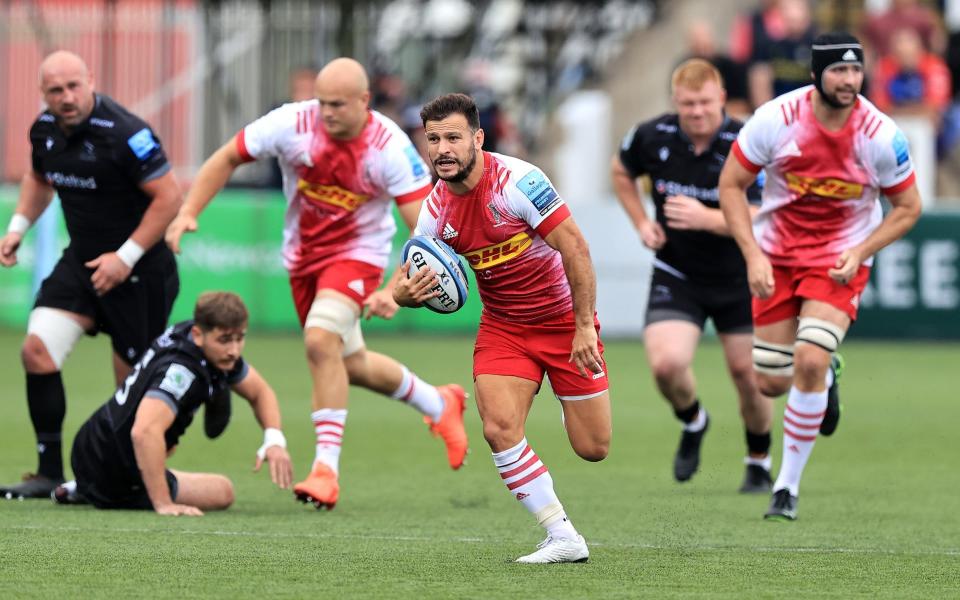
(338, 192)
(820, 194)
(499, 228)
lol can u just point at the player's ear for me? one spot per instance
(478, 139)
(197, 334)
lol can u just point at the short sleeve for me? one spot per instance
(892, 161)
(262, 138)
(171, 384)
(142, 155)
(533, 198)
(631, 152)
(752, 148)
(407, 176)
(427, 220)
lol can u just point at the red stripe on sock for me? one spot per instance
(409, 393)
(526, 450)
(787, 419)
(520, 469)
(334, 423)
(799, 438)
(528, 478)
(818, 415)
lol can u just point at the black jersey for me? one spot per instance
(172, 369)
(97, 170)
(660, 149)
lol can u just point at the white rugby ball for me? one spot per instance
(424, 251)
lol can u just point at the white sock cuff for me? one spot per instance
(766, 462)
(406, 384)
(329, 414)
(510, 455)
(698, 423)
(808, 401)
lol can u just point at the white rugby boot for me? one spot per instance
(558, 550)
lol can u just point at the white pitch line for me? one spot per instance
(476, 540)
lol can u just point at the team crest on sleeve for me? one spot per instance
(177, 380)
(539, 191)
(142, 143)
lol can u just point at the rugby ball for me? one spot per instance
(424, 251)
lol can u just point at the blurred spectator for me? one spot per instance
(500, 134)
(701, 44)
(300, 88)
(754, 29)
(879, 29)
(779, 66)
(912, 81)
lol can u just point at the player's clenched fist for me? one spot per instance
(8, 248)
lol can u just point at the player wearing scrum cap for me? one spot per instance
(538, 288)
(828, 154)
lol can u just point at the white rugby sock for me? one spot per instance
(419, 394)
(328, 424)
(527, 478)
(801, 424)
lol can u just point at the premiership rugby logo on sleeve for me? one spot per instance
(142, 143)
(539, 191)
(177, 380)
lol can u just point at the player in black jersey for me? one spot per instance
(119, 454)
(698, 271)
(117, 276)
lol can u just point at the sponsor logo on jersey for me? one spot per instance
(177, 380)
(49, 143)
(496, 254)
(142, 143)
(101, 123)
(495, 215)
(333, 195)
(664, 153)
(673, 188)
(449, 232)
(57, 179)
(539, 191)
(900, 148)
(416, 163)
(827, 187)
(88, 152)
(47, 118)
(666, 127)
(791, 149)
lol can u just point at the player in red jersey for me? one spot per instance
(827, 153)
(342, 163)
(538, 289)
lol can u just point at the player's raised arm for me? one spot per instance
(567, 239)
(734, 181)
(152, 420)
(210, 179)
(35, 197)
(263, 400)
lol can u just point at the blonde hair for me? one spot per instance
(693, 73)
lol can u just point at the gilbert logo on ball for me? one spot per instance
(425, 251)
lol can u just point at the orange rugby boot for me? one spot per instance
(450, 426)
(320, 487)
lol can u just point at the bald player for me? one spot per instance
(343, 165)
(116, 275)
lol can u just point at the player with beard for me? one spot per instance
(828, 154)
(343, 166)
(538, 289)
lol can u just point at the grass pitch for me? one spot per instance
(879, 504)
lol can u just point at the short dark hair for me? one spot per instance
(223, 310)
(442, 107)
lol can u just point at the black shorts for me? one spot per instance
(133, 314)
(675, 299)
(107, 486)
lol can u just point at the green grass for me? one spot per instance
(878, 513)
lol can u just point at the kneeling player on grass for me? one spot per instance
(119, 454)
(538, 289)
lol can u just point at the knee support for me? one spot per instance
(820, 333)
(772, 359)
(58, 332)
(337, 317)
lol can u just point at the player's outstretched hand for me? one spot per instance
(281, 467)
(380, 304)
(760, 276)
(846, 267)
(652, 235)
(110, 272)
(414, 291)
(8, 248)
(180, 225)
(584, 353)
(176, 510)
(684, 212)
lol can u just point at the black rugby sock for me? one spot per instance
(48, 407)
(687, 415)
(758, 443)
